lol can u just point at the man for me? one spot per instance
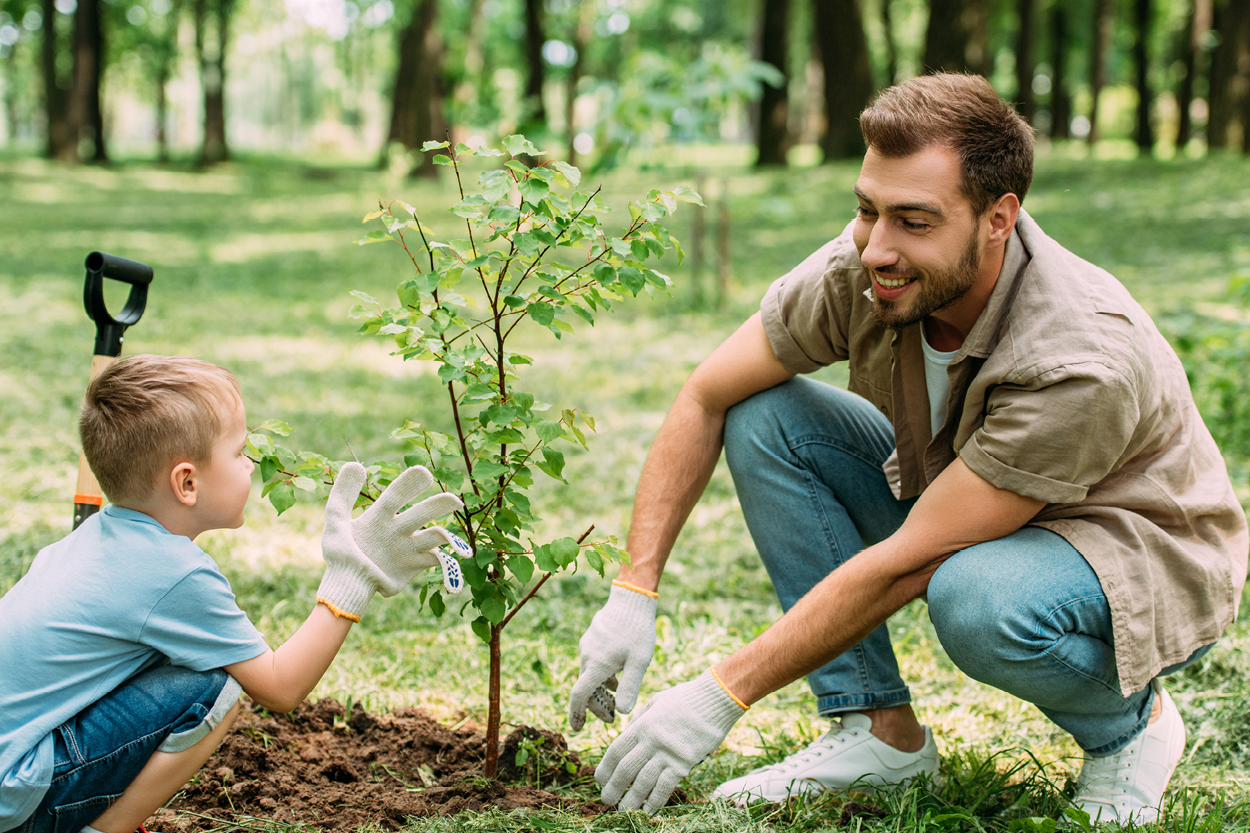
(1019, 446)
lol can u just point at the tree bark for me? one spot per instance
(54, 97)
(83, 112)
(848, 75)
(955, 37)
(1026, 101)
(1100, 40)
(535, 109)
(416, 101)
(1188, 43)
(212, 34)
(494, 708)
(891, 45)
(1060, 98)
(1143, 134)
(1229, 75)
(581, 38)
(772, 135)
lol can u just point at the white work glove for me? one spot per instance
(620, 639)
(672, 735)
(383, 549)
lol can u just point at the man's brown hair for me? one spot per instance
(962, 113)
(145, 413)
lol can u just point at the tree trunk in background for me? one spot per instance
(1026, 101)
(535, 111)
(1196, 25)
(581, 38)
(82, 110)
(772, 135)
(1060, 98)
(955, 37)
(53, 94)
(1100, 40)
(416, 105)
(891, 47)
(466, 89)
(848, 75)
(1229, 76)
(212, 34)
(1143, 134)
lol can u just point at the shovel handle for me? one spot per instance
(109, 328)
(88, 498)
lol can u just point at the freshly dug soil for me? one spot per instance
(333, 770)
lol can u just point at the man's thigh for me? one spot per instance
(100, 750)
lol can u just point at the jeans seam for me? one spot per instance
(817, 439)
(119, 750)
(1048, 653)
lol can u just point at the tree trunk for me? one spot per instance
(891, 46)
(535, 114)
(466, 89)
(1143, 134)
(212, 34)
(494, 710)
(848, 75)
(581, 38)
(1229, 78)
(54, 98)
(1026, 101)
(955, 37)
(162, 114)
(1060, 98)
(416, 106)
(1100, 40)
(772, 133)
(83, 112)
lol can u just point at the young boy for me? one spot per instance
(122, 650)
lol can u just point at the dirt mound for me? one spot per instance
(335, 770)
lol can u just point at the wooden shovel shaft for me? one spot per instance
(87, 495)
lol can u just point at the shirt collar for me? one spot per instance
(121, 513)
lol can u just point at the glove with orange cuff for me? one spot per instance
(620, 640)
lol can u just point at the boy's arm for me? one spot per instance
(380, 551)
(280, 680)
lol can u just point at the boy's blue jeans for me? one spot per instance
(1024, 613)
(101, 750)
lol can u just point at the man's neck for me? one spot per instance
(946, 329)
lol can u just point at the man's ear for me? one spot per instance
(1002, 219)
(183, 479)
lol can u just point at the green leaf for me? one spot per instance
(548, 431)
(306, 484)
(488, 469)
(545, 560)
(275, 426)
(533, 190)
(493, 609)
(687, 194)
(506, 214)
(437, 606)
(375, 236)
(542, 312)
(572, 174)
(632, 279)
(268, 468)
(495, 185)
(514, 301)
(428, 146)
(595, 561)
(565, 551)
(282, 496)
(521, 567)
(482, 628)
(553, 463)
(517, 144)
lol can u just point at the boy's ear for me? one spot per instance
(183, 480)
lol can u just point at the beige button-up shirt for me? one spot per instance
(1063, 391)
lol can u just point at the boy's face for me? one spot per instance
(224, 482)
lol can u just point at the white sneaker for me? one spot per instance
(846, 756)
(1131, 783)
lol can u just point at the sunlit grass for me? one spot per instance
(253, 268)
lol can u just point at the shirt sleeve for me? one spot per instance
(1057, 435)
(198, 624)
(804, 314)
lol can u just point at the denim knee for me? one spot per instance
(967, 617)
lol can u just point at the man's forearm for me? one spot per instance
(676, 472)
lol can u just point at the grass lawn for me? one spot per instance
(254, 262)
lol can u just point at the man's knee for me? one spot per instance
(976, 618)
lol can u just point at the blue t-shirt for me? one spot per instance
(115, 597)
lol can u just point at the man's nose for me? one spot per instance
(879, 251)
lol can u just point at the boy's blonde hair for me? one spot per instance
(143, 414)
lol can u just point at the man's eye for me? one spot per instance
(864, 213)
(913, 225)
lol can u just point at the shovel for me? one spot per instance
(109, 335)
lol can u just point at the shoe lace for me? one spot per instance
(1105, 777)
(828, 740)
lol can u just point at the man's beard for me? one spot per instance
(937, 290)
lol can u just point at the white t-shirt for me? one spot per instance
(936, 380)
(115, 597)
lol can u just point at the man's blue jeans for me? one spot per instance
(1024, 613)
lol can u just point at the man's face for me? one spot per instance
(916, 233)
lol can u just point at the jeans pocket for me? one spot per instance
(71, 818)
